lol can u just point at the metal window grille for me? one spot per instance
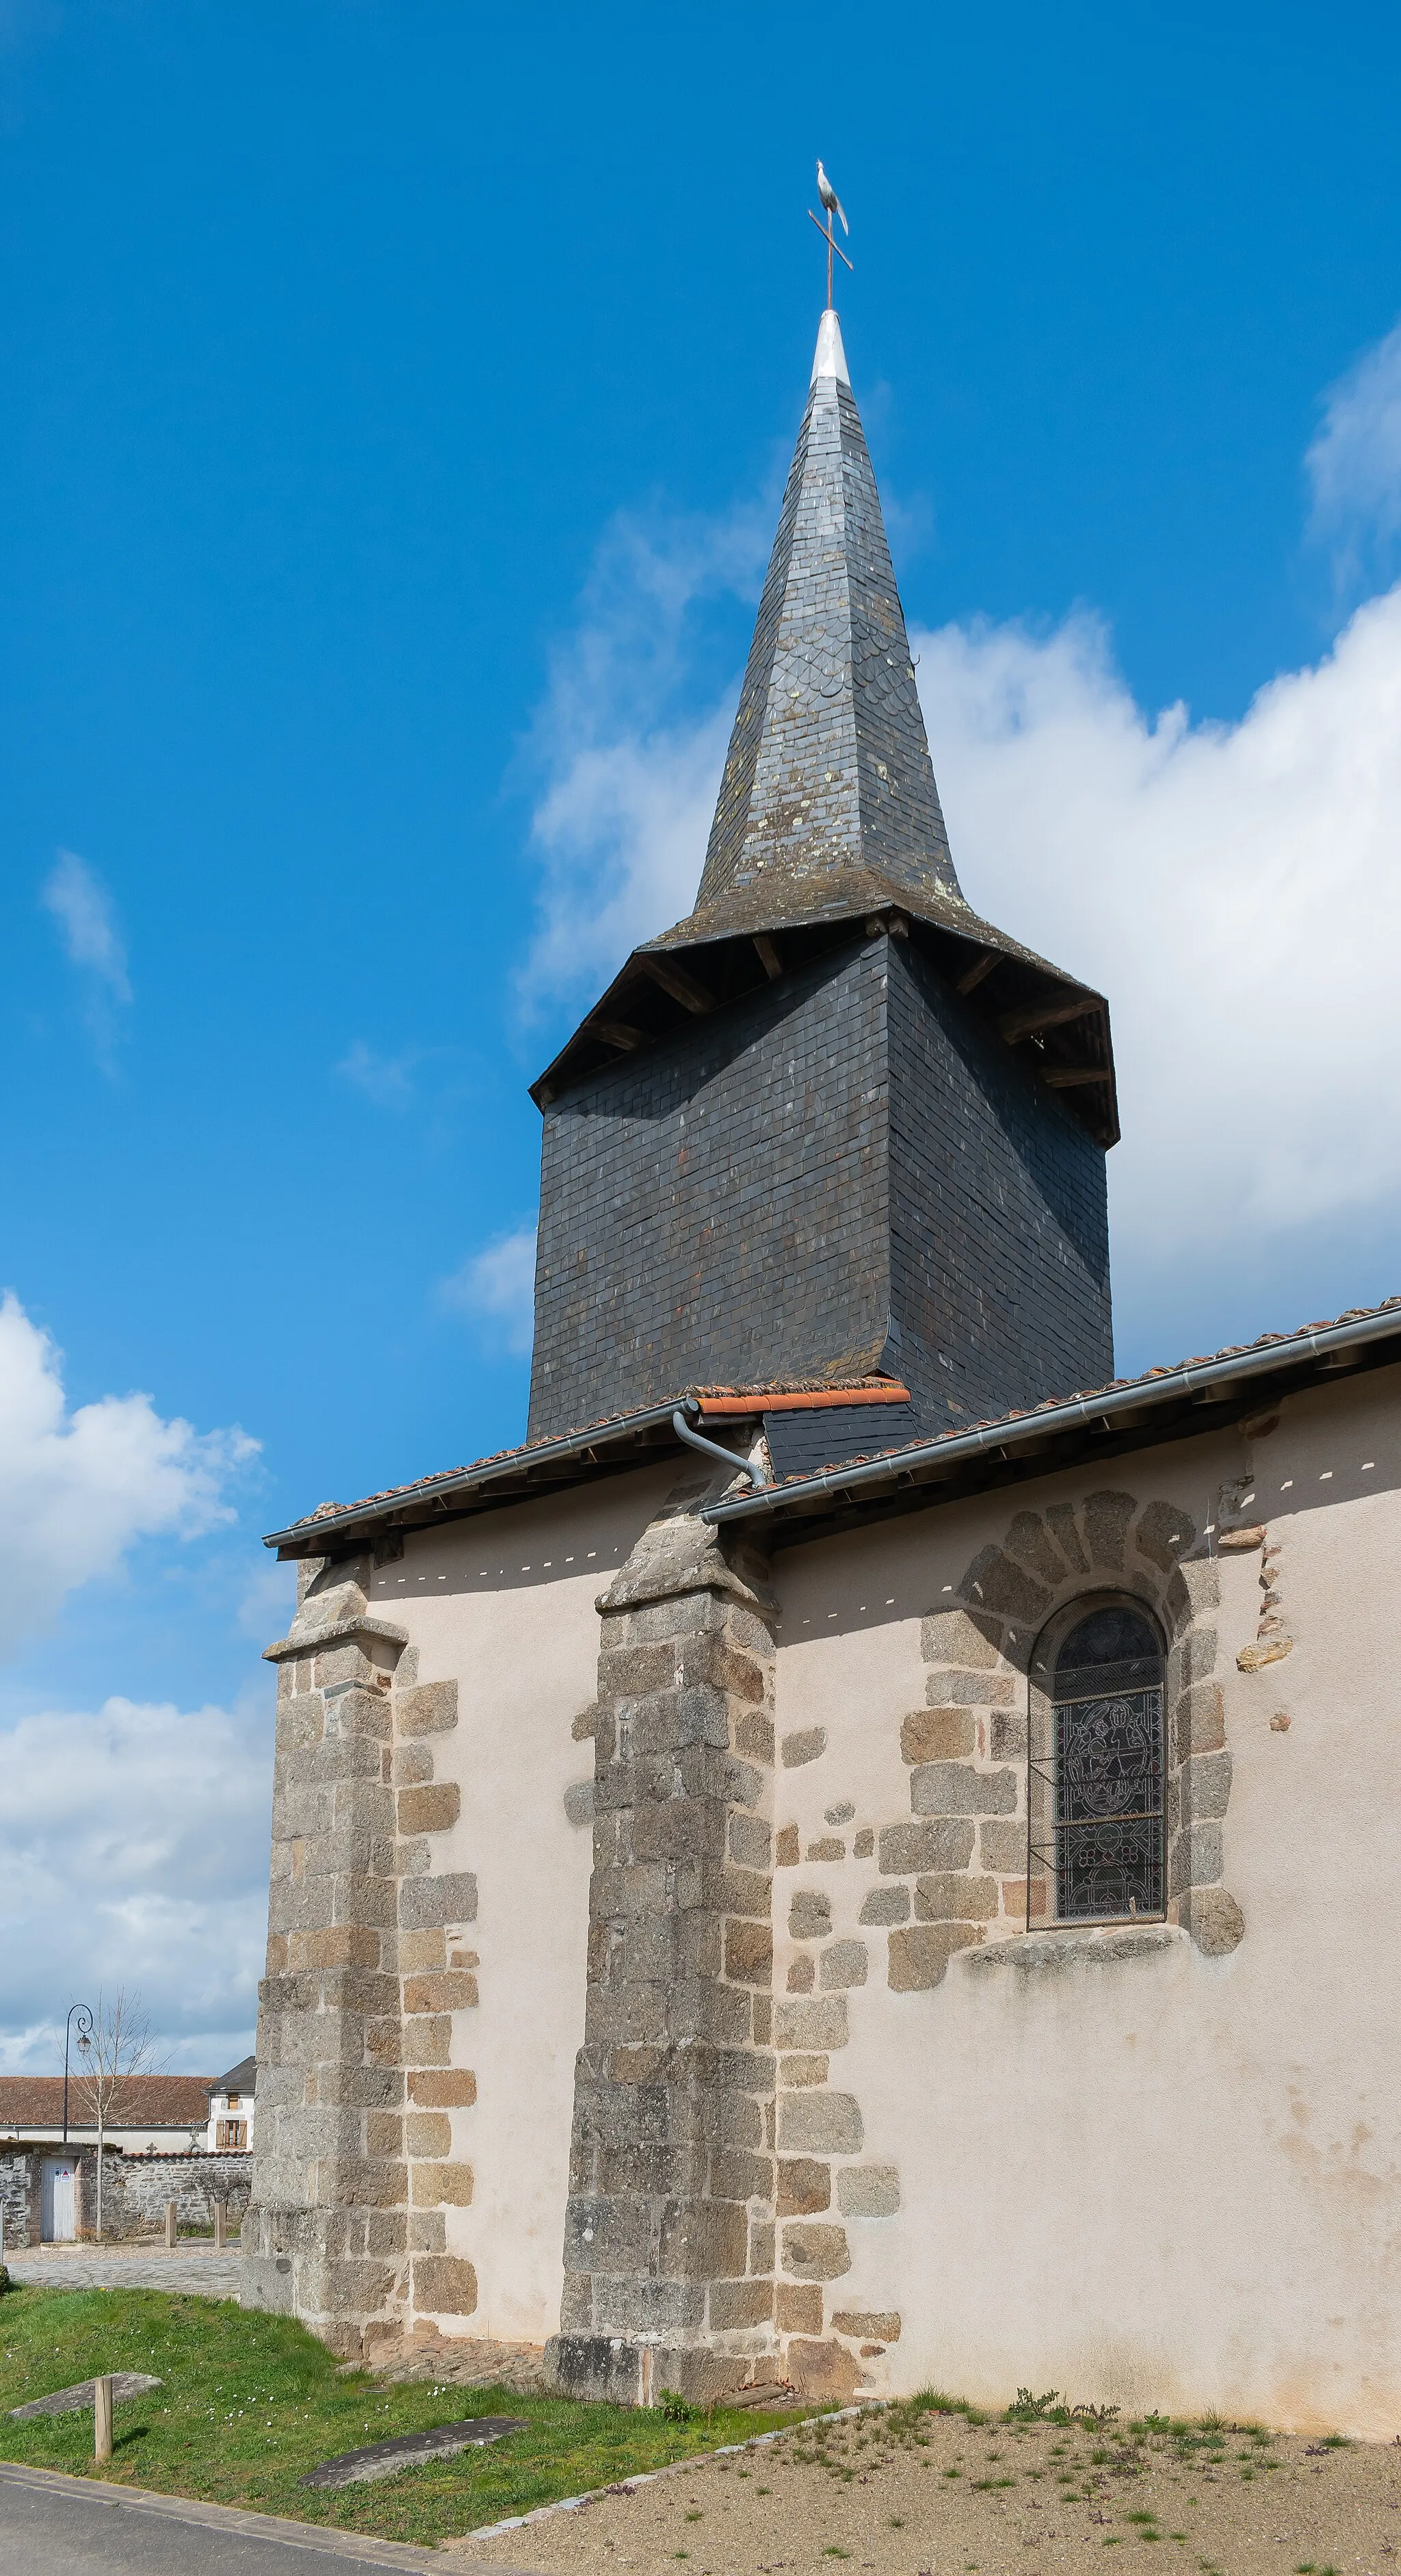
(1104, 1783)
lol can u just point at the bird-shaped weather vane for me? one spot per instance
(831, 205)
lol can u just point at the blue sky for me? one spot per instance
(397, 399)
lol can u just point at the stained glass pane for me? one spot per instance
(1109, 1767)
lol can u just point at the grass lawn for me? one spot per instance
(249, 2403)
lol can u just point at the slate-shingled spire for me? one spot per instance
(832, 1126)
(828, 769)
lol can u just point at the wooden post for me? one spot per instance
(170, 2227)
(220, 2214)
(102, 2419)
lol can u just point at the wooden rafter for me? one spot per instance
(617, 1033)
(674, 980)
(973, 975)
(1046, 1014)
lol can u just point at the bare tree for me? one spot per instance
(119, 2052)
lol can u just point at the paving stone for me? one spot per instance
(406, 2450)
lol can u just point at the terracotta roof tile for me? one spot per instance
(146, 2102)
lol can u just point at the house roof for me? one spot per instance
(145, 2102)
(828, 822)
(242, 2078)
(1163, 1403)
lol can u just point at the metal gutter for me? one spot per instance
(1129, 1399)
(694, 1439)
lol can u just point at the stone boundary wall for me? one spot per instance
(19, 2195)
(135, 2189)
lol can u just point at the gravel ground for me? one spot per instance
(918, 2493)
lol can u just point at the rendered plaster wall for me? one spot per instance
(504, 1606)
(1132, 2167)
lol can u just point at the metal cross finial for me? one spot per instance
(831, 205)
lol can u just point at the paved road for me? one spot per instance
(210, 2276)
(57, 2526)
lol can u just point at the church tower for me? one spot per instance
(833, 1127)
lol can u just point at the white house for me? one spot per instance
(231, 2107)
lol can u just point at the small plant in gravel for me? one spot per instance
(1051, 2408)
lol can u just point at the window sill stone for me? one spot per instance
(1104, 1945)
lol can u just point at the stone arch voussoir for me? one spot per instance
(968, 1751)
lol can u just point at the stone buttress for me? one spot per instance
(353, 2171)
(669, 2240)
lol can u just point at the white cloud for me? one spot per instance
(134, 1851)
(75, 895)
(1354, 464)
(1233, 888)
(498, 1287)
(629, 770)
(76, 1489)
(387, 1080)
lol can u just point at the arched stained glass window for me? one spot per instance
(1108, 1765)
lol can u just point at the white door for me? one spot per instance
(57, 2215)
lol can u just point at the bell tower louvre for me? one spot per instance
(833, 1128)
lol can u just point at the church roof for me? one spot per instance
(1239, 1384)
(1178, 1402)
(828, 815)
(828, 769)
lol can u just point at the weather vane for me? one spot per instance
(831, 205)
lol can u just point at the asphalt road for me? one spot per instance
(58, 2526)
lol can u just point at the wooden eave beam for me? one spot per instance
(617, 1033)
(1046, 1014)
(674, 980)
(768, 955)
(972, 976)
(1068, 1077)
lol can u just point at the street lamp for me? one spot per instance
(84, 2018)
